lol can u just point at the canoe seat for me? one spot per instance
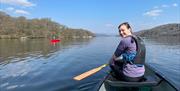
(148, 81)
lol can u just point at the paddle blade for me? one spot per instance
(89, 73)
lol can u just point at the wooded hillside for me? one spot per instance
(17, 27)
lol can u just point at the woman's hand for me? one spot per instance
(118, 59)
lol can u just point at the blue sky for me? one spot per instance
(98, 16)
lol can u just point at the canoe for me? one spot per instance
(153, 81)
(55, 40)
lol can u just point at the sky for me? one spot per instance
(98, 16)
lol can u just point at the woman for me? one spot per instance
(124, 63)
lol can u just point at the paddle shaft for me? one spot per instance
(89, 73)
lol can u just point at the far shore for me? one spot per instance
(39, 37)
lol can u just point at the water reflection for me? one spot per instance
(171, 40)
(163, 53)
(37, 64)
(16, 50)
(52, 68)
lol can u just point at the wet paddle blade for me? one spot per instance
(89, 73)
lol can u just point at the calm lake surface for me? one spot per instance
(38, 65)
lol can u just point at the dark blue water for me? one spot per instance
(163, 55)
(37, 65)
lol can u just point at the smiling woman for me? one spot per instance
(41, 64)
(132, 51)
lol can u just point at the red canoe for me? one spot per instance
(55, 40)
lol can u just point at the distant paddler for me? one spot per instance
(55, 38)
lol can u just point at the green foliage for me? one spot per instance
(167, 30)
(16, 27)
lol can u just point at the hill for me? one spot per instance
(18, 27)
(167, 30)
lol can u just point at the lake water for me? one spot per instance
(38, 65)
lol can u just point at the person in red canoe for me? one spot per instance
(54, 37)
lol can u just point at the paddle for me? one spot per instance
(89, 73)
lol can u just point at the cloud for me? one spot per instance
(25, 3)
(175, 5)
(1, 10)
(109, 25)
(10, 9)
(164, 6)
(16, 11)
(155, 7)
(22, 12)
(155, 12)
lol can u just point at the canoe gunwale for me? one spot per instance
(156, 73)
(164, 78)
(150, 82)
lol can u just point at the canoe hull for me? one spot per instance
(158, 84)
(55, 40)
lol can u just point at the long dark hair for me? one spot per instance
(127, 25)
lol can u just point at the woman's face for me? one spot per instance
(124, 31)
